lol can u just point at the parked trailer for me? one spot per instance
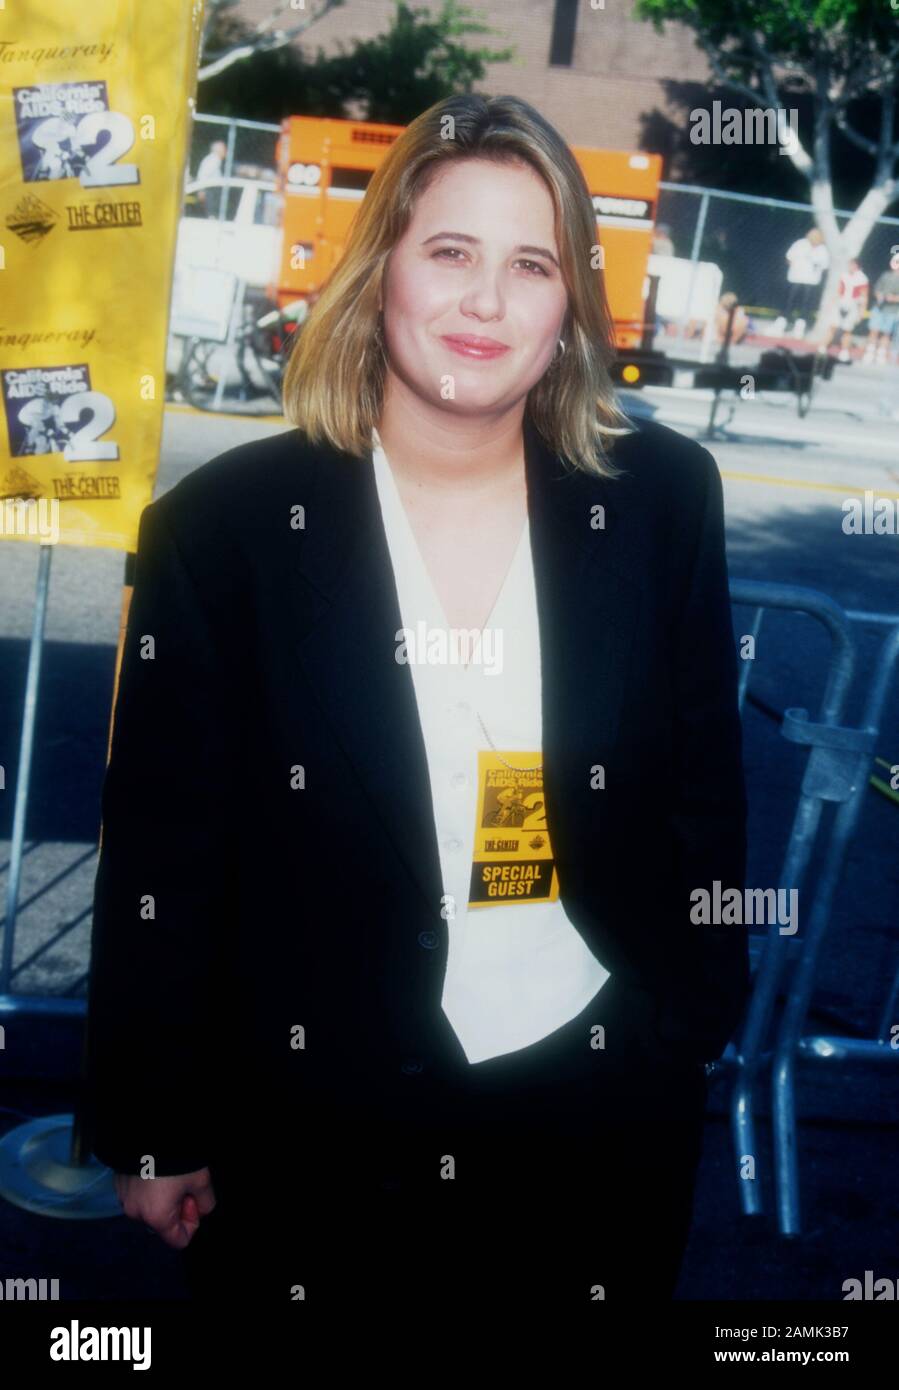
(324, 167)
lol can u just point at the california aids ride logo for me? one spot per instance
(52, 410)
(67, 131)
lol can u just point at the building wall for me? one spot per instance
(616, 76)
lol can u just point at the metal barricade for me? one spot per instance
(837, 770)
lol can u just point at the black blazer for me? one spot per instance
(254, 937)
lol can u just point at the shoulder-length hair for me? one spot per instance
(334, 379)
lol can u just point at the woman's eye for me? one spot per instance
(533, 267)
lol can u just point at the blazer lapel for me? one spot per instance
(588, 601)
(347, 596)
(347, 604)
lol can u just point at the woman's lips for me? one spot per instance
(475, 347)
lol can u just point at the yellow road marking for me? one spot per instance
(844, 488)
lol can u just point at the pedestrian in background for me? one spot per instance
(884, 316)
(211, 166)
(731, 320)
(852, 305)
(807, 260)
(662, 245)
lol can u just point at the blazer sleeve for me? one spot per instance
(708, 810)
(160, 897)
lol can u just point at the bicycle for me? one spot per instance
(260, 349)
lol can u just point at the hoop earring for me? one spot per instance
(557, 356)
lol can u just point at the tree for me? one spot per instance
(393, 77)
(419, 60)
(228, 39)
(841, 55)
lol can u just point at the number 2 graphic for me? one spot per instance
(85, 445)
(101, 170)
(537, 819)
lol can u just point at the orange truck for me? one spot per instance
(324, 167)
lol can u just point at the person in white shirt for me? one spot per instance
(499, 649)
(210, 168)
(807, 260)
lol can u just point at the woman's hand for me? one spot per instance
(172, 1207)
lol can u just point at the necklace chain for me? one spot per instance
(538, 768)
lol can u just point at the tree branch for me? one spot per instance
(724, 78)
(869, 146)
(888, 150)
(764, 68)
(279, 39)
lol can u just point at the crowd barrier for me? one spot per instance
(838, 769)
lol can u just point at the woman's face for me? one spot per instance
(478, 261)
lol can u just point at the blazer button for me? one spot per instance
(429, 939)
(412, 1066)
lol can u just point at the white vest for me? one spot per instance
(515, 971)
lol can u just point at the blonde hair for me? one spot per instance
(334, 379)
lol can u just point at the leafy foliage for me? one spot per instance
(393, 77)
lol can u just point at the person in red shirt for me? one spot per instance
(852, 305)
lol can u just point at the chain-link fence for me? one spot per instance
(223, 147)
(747, 238)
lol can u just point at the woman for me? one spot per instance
(427, 736)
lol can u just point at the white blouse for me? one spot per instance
(516, 970)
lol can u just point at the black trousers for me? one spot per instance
(556, 1175)
(802, 300)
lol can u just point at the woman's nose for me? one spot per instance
(484, 294)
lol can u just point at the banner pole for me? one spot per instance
(23, 772)
(127, 591)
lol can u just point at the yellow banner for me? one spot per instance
(96, 104)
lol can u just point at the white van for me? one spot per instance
(232, 224)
